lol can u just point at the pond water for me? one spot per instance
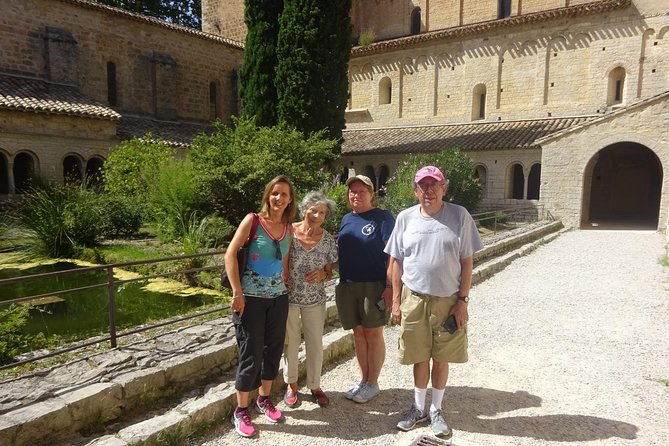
(84, 313)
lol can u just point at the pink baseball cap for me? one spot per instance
(429, 171)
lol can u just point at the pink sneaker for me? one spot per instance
(242, 421)
(264, 405)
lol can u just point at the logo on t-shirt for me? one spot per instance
(369, 228)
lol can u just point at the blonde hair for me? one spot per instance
(290, 211)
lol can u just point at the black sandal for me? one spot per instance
(320, 397)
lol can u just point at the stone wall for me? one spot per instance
(563, 68)
(567, 162)
(224, 18)
(159, 71)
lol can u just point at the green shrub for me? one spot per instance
(233, 165)
(58, 221)
(121, 215)
(339, 194)
(464, 189)
(134, 164)
(174, 199)
(12, 341)
(367, 37)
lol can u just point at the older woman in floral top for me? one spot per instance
(313, 253)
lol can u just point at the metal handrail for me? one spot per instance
(111, 284)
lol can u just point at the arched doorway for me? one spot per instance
(24, 172)
(622, 189)
(94, 172)
(72, 170)
(4, 175)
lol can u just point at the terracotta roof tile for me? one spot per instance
(594, 7)
(501, 135)
(178, 134)
(35, 95)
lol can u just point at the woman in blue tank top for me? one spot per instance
(260, 300)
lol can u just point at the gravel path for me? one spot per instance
(567, 346)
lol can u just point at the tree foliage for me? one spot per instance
(182, 12)
(233, 165)
(257, 89)
(463, 189)
(312, 72)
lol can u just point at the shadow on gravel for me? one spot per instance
(464, 409)
(466, 406)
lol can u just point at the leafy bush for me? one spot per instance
(174, 199)
(233, 165)
(464, 189)
(134, 165)
(12, 341)
(59, 220)
(121, 215)
(339, 194)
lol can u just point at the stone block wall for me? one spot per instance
(562, 68)
(224, 18)
(160, 70)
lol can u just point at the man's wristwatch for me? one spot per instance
(465, 299)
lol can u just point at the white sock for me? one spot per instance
(437, 398)
(419, 398)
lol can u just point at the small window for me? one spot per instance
(504, 9)
(112, 98)
(616, 87)
(213, 101)
(479, 102)
(385, 91)
(415, 21)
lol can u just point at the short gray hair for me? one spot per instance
(315, 198)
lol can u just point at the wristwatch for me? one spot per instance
(465, 299)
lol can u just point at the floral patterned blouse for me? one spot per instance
(302, 261)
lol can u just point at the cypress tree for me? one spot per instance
(257, 91)
(313, 50)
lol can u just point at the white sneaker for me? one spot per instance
(366, 393)
(354, 390)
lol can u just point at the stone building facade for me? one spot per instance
(553, 100)
(562, 104)
(77, 77)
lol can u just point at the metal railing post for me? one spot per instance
(111, 295)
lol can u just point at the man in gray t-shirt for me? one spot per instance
(432, 248)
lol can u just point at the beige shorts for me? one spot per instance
(422, 337)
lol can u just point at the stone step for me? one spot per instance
(216, 404)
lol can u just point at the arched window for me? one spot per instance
(4, 174)
(112, 98)
(72, 170)
(384, 174)
(504, 9)
(94, 172)
(481, 174)
(213, 101)
(616, 86)
(369, 171)
(534, 182)
(385, 91)
(478, 102)
(517, 182)
(415, 21)
(24, 172)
